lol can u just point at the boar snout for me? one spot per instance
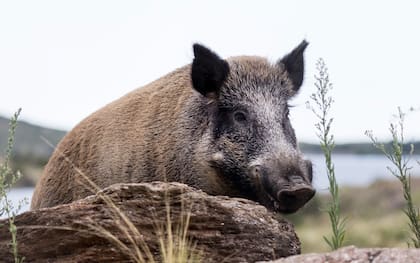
(285, 190)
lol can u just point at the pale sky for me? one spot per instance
(62, 60)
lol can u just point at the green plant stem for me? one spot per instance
(7, 180)
(322, 105)
(398, 158)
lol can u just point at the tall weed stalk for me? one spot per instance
(321, 106)
(7, 179)
(401, 170)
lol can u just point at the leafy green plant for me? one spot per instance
(7, 179)
(401, 170)
(321, 106)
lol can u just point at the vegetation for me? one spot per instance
(370, 226)
(174, 243)
(322, 105)
(7, 179)
(399, 159)
(375, 213)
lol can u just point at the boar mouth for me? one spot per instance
(274, 205)
(271, 203)
(266, 199)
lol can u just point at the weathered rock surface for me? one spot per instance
(353, 254)
(226, 229)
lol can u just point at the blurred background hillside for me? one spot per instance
(30, 152)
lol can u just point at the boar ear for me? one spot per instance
(293, 63)
(208, 71)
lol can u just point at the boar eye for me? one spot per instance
(239, 116)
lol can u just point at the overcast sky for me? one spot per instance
(62, 60)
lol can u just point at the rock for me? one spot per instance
(353, 254)
(224, 229)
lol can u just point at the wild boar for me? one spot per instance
(219, 125)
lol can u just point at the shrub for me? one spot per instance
(7, 179)
(321, 106)
(401, 170)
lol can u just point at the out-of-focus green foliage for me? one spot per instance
(374, 213)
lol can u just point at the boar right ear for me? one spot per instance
(208, 71)
(294, 64)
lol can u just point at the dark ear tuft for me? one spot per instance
(208, 71)
(294, 65)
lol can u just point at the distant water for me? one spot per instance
(17, 194)
(355, 170)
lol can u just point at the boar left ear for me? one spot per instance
(294, 65)
(208, 71)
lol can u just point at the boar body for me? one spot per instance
(218, 125)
